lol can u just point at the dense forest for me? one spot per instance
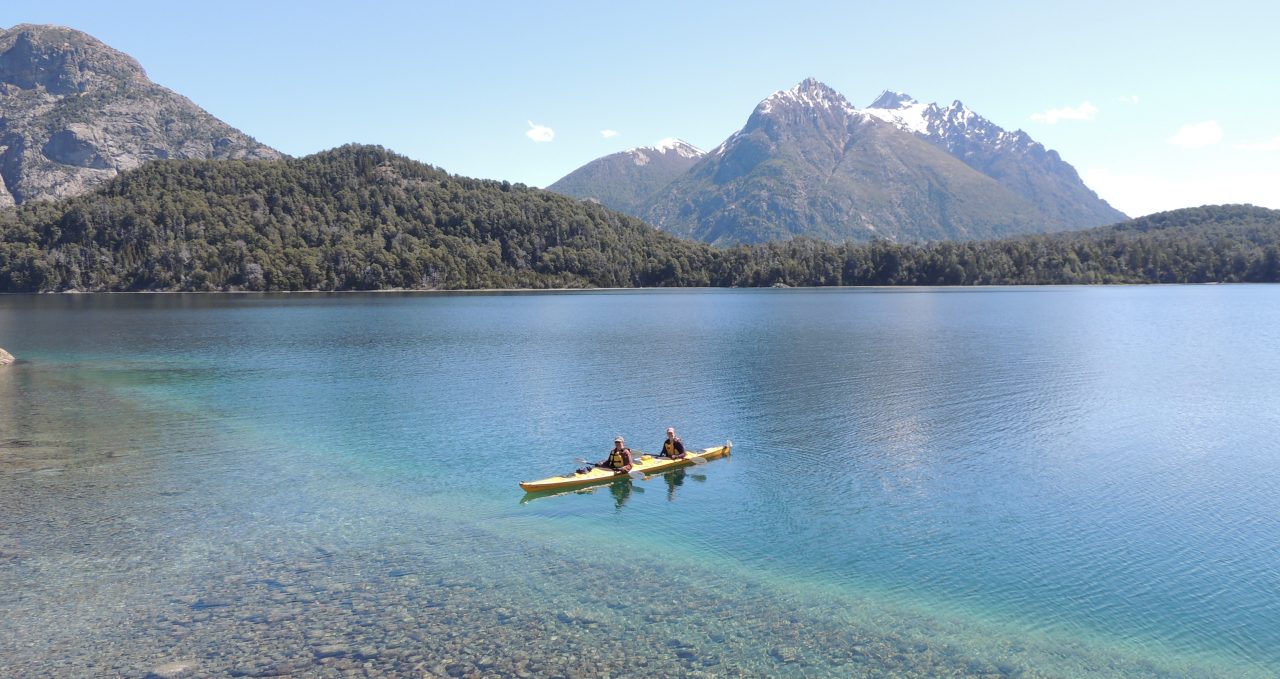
(363, 218)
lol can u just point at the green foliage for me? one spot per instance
(355, 218)
(363, 218)
(1226, 244)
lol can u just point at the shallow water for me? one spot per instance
(1005, 482)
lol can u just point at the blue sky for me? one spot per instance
(1158, 105)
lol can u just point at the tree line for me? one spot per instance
(364, 218)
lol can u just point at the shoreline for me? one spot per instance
(1008, 286)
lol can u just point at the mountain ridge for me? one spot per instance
(1012, 158)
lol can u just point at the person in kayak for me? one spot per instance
(673, 447)
(619, 458)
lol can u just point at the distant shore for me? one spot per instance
(636, 289)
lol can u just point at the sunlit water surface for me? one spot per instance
(1002, 482)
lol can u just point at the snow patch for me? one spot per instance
(681, 147)
(912, 117)
(668, 145)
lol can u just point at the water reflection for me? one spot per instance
(676, 479)
(621, 491)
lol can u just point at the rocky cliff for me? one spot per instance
(74, 113)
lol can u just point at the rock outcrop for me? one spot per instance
(6, 358)
(74, 113)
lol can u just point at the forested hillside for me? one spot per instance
(357, 217)
(363, 218)
(1218, 243)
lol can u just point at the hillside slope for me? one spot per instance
(626, 180)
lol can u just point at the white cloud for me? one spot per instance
(1197, 135)
(1131, 99)
(1085, 111)
(540, 133)
(1138, 195)
(608, 134)
(1270, 145)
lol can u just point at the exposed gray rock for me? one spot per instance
(6, 358)
(74, 113)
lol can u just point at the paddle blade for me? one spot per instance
(581, 460)
(697, 459)
(636, 474)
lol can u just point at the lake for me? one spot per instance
(1068, 481)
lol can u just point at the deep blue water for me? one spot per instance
(1056, 481)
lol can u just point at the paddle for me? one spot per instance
(634, 473)
(689, 457)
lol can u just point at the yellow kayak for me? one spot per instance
(646, 465)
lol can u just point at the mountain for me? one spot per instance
(624, 181)
(1013, 159)
(74, 113)
(807, 163)
(357, 217)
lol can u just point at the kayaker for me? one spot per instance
(673, 447)
(619, 458)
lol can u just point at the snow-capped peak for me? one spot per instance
(640, 154)
(901, 110)
(810, 92)
(680, 147)
(930, 120)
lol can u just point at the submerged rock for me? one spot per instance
(6, 358)
(173, 670)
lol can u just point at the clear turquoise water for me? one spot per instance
(1017, 482)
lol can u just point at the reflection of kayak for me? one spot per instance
(621, 488)
(647, 465)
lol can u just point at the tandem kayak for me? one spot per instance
(646, 464)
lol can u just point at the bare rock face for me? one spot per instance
(75, 112)
(5, 357)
